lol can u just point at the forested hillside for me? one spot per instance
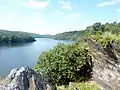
(40, 36)
(72, 35)
(15, 37)
(113, 28)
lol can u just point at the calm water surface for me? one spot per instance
(15, 56)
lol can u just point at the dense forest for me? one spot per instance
(15, 37)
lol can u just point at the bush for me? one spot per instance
(65, 63)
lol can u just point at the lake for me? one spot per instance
(15, 56)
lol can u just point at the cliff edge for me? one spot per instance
(106, 70)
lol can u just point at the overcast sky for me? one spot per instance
(55, 16)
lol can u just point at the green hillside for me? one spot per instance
(15, 37)
(113, 28)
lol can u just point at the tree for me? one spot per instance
(98, 26)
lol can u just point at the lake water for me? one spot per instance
(15, 56)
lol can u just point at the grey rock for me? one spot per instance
(106, 70)
(25, 79)
(12, 74)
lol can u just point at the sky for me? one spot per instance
(56, 16)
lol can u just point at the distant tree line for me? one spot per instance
(15, 37)
(72, 35)
(40, 36)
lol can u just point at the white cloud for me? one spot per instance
(66, 5)
(117, 0)
(37, 4)
(109, 3)
(106, 4)
(118, 10)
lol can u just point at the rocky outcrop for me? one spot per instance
(106, 71)
(25, 79)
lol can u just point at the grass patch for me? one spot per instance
(4, 81)
(80, 86)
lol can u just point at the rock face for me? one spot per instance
(106, 71)
(25, 79)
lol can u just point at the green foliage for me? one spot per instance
(106, 38)
(114, 27)
(65, 63)
(14, 37)
(72, 35)
(98, 27)
(80, 86)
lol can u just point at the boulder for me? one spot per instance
(25, 78)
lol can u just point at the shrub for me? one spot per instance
(65, 63)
